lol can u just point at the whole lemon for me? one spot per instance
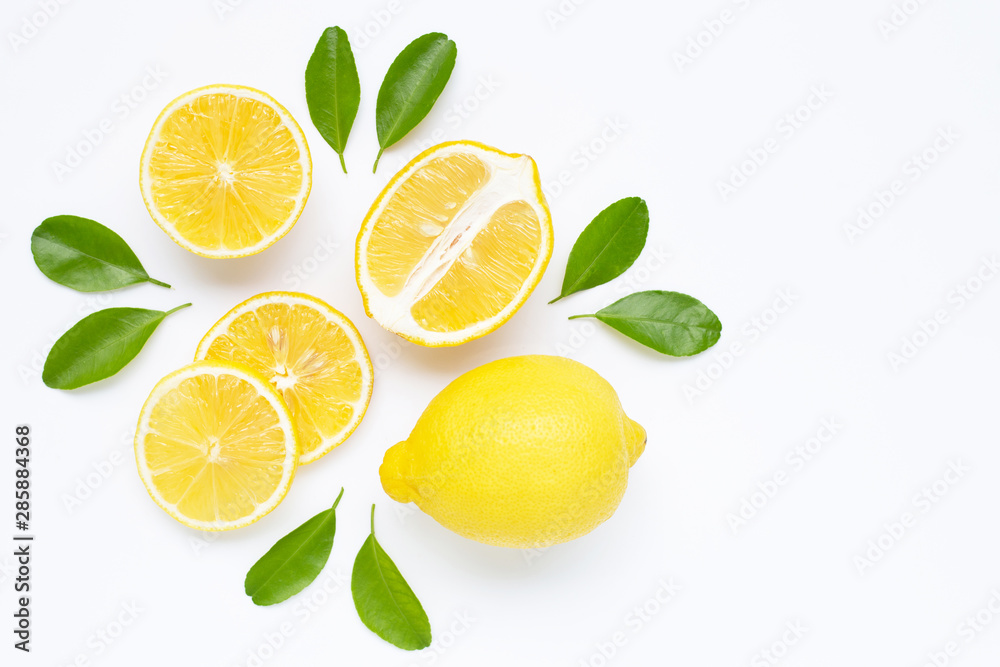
(522, 452)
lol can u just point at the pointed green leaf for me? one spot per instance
(333, 90)
(294, 561)
(100, 345)
(85, 255)
(607, 246)
(668, 322)
(385, 602)
(411, 86)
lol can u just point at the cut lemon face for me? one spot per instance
(310, 353)
(215, 446)
(454, 244)
(226, 171)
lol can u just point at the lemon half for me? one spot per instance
(225, 171)
(454, 244)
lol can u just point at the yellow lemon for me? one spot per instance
(215, 446)
(522, 452)
(454, 244)
(226, 171)
(312, 354)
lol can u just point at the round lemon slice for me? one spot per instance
(226, 171)
(215, 446)
(313, 356)
(454, 244)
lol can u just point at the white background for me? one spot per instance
(557, 84)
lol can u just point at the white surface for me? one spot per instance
(609, 68)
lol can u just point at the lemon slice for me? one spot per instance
(312, 354)
(226, 171)
(215, 446)
(454, 244)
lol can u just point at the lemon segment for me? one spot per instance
(310, 353)
(454, 244)
(215, 446)
(225, 171)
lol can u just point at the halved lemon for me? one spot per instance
(226, 171)
(215, 446)
(454, 244)
(312, 354)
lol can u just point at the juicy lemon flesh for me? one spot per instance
(417, 214)
(309, 360)
(225, 171)
(215, 448)
(488, 274)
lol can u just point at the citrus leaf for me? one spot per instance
(607, 246)
(100, 345)
(411, 87)
(85, 255)
(668, 322)
(333, 90)
(385, 602)
(294, 561)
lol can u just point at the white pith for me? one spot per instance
(511, 178)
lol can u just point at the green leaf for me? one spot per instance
(333, 90)
(385, 602)
(85, 255)
(294, 561)
(411, 86)
(100, 345)
(607, 246)
(669, 322)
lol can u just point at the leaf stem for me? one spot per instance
(373, 519)
(576, 317)
(557, 298)
(337, 501)
(377, 158)
(170, 312)
(157, 282)
(342, 165)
